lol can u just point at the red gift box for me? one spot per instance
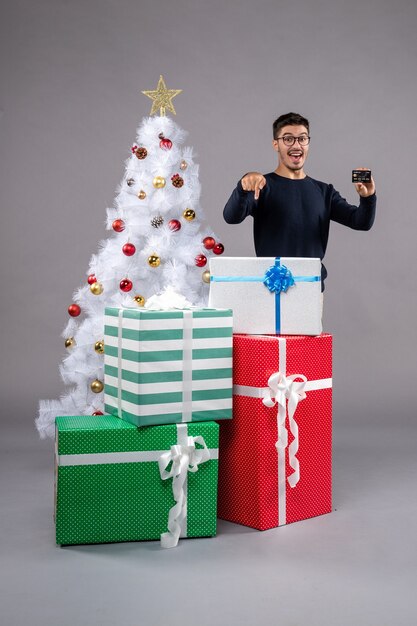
(275, 460)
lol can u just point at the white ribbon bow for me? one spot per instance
(183, 458)
(280, 389)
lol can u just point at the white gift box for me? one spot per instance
(269, 295)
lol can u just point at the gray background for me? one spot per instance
(71, 77)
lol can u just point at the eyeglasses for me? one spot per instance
(289, 140)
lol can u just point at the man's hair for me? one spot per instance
(289, 119)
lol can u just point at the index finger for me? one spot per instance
(260, 185)
(257, 189)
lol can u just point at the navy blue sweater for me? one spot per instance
(292, 217)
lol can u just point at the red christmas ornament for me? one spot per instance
(174, 225)
(118, 225)
(126, 285)
(165, 144)
(218, 248)
(200, 260)
(129, 249)
(97, 413)
(209, 243)
(91, 279)
(74, 310)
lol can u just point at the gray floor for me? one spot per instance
(354, 567)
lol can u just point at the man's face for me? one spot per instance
(292, 157)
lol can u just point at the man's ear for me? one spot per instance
(275, 145)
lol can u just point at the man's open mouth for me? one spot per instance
(295, 155)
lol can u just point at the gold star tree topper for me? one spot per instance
(162, 98)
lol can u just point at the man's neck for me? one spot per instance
(287, 173)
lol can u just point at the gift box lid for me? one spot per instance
(240, 264)
(152, 314)
(89, 434)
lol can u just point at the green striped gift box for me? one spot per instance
(170, 366)
(108, 486)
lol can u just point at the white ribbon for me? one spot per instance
(119, 362)
(187, 366)
(280, 389)
(183, 457)
(167, 299)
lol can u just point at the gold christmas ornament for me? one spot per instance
(99, 347)
(140, 300)
(154, 260)
(189, 215)
(142, 195)
(96, 288)
(97, 386)
(162, 98)
(159, 182)
(69, 342)
(206, 276)
(183, 165)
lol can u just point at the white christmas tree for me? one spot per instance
(159, 242)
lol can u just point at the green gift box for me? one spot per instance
(115, 482)
(168, 366)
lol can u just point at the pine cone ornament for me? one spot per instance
(140, 152)
(157, 221)
(177, 181)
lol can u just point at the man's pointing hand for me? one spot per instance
(253, 181)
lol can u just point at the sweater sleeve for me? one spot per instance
(358, 217)
(240, 204)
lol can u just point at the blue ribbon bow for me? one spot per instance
(278, 278)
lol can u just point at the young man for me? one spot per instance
(291, 211)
